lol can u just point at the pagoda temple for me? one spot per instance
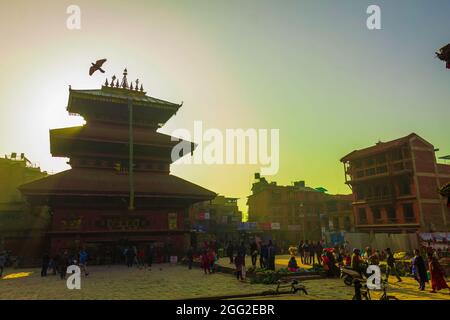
(119, 190)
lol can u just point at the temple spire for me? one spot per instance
(124, 83)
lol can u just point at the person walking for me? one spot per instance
(263, 257)
(419, 269)
(254, 253)
(242, 251)
(190, 257)
(150, 254)
(130, 257)
(238, 261)
(437, 274)
(45, 263)
(141, 257)
(205, 262)
(319, 251)
(2, 263)
(211, 260)
(64, 263)
(135, 255)
(230, 251)
(55, 265)
(391, 266)
(306, 252)
(271, 256)
(83, 257)
(301, 252)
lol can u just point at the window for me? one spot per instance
(396, 154)
(408, 212)
(382, 169)
(404, 186)
(376, 215)
(392, 218)
(362, 215)
(370, 162)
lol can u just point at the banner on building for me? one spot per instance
(264, 226)
(203, 216)
(275, 226)
(173, 220)
(247, 226)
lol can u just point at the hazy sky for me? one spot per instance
(309, 68)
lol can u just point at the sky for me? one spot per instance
(311, 69)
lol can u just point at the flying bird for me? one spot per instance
(97, 66)
(444, 55)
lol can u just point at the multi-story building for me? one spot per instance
(396, 185)
(219, 217)
(22, 230)
(297, 212)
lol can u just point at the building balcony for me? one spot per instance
(355, 175)
(410, 220)
(380, 198)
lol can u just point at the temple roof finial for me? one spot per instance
(124, 83)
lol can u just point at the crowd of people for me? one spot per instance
(266, 252)
(424, 270)
(424, 265)
(58, 264)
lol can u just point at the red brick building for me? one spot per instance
(299, 212)
(396, 185)
(92, 203)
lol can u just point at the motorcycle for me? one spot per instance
(349, 275)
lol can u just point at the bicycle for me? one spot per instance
(364, 294)
(294, 286)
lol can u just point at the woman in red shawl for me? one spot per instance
(204, 260)
(437, 274)
(211, 260)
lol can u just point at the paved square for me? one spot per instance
(176, 282)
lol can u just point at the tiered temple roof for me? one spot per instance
(97, 148)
